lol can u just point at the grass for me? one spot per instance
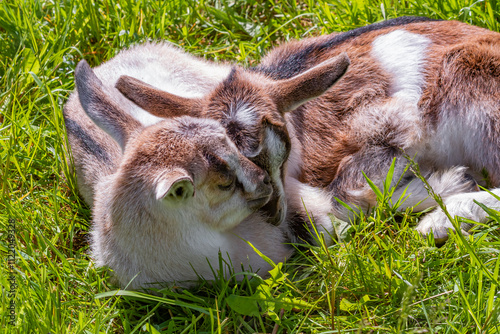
(385, 278)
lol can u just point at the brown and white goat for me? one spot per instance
(428, 89)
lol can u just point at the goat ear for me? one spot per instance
(291, 93)
(176, 186)
(156, 101)
(101, 108)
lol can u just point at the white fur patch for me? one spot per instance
(181, 74)
(461, 205)
(402, 54)
(398, 114)
(445, 184)
(144, 117)
(294, 162)
(463, 129)
(244, 114)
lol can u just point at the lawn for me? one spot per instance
(384, 278)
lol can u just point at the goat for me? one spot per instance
(424, 88)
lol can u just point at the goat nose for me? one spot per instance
(267, 179)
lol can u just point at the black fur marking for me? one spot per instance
(300, 227)
(262, 160)
(88, 143)
(405, 181)
(298, 62)
(217, 163)
(230, 78)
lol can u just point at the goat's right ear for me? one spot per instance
(156, 101)
(291, 93)
(175, 186)
(101, 108)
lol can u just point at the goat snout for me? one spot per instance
(256, 204)
(258, 198)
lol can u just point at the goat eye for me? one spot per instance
(227, 187)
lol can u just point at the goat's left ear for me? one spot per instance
(291, 93)
(175, 186)
(102, 107)
(157, 102)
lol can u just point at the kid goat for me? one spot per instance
(169, 195)
(428, 89)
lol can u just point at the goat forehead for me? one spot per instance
(232, 160)
(190, 127)
(244, 114)
(247, 140)
(184, 136)
(242, 121)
